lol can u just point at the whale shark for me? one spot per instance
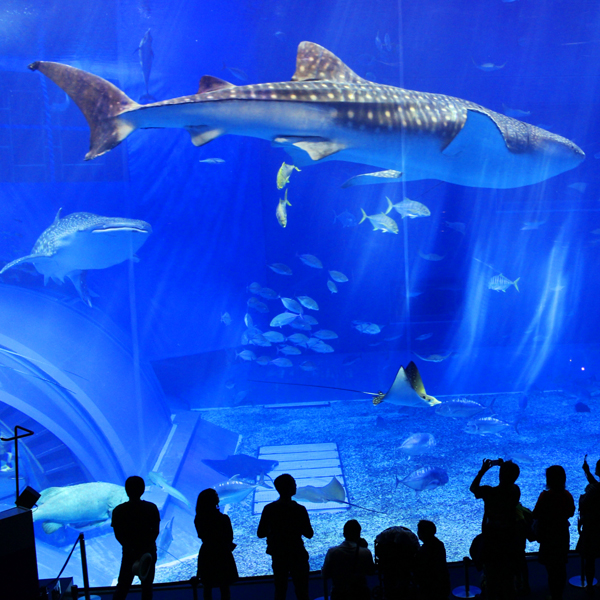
(328, 112)
(82, 241)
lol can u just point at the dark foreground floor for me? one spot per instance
(261, 588)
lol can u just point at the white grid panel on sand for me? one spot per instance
(308, 464)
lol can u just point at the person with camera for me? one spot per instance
(499, 528)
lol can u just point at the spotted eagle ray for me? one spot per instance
(407, 389)
(82, 241)
(328, 112)
(332, 492)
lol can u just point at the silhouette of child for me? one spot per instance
(554, 508)
(136, 524)
(283, 523)
(348, 564)
(589, 524)
(216, 565)
(431, 571)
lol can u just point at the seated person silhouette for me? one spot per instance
(216, 565)
(348, 565)
(283, 523)
(588, 524)
(431, 570)
(136, 524)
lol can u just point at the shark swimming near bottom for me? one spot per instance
(82, 241)
(328, 112)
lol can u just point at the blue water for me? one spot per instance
(148, 378)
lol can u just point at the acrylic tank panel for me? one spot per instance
(176, 372)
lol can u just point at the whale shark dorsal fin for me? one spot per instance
(57, 217)
(479, 127)
(315, 63)
(208, 83)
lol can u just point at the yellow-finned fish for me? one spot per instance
(283, 175)
(281, 212)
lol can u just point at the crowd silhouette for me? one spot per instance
(407, 569)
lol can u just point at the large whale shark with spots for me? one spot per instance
(328, 112)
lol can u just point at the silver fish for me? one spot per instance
(332, 287)
(380, 222)
(408, 208)
(499, 283)
(459, 409)
(417, 444)
(486, 426)
(292, 306)
(427, 478)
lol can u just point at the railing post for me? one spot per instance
(86, 579)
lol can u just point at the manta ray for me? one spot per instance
(82, 241)
(329, 112)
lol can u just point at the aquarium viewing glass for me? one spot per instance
(182, 305)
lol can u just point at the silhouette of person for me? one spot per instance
(500, 538)
(431, 570)
(136, 524)
(216, 565)
(589, 524)
(553, 509)
(348, 565)
(283, 523)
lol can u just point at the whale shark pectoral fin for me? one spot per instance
(479, 127)
(30, 258)
(316, 147)
(50, 527)
(203, 135)
(387, 176)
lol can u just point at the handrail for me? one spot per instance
(16, 438)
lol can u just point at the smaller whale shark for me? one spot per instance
(82, 241)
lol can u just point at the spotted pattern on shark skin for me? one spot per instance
(356, 102)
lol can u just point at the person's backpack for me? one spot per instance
(527, 522)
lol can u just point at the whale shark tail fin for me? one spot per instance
(101, 102)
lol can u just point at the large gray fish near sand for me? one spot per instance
(328, 112)
(82, 241)
(80, 506)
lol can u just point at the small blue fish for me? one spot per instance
(237, 73)
(280, 269)
(283, 319)
(291, 305)
(282, 362)
(489, 67)
(346, 218)
(311, 261)
(212, 161)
